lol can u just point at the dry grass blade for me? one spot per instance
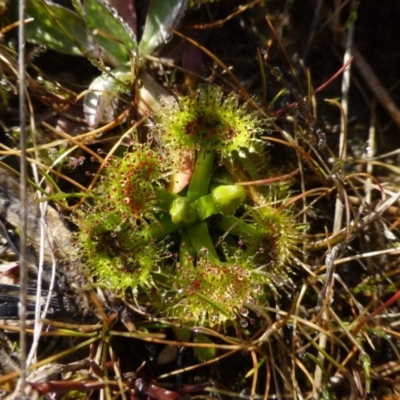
(20, 390)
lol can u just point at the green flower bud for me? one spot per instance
(228, 198)
(184, 211)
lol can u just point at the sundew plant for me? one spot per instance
(206, 252)
(169, 221)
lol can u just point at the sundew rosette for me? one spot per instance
(134, 234)
(210, 121)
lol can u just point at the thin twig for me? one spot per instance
(370, 154)
(45, 234)
(314, 24)
(343, 123)
(370, 78)
(375, 85)
(20, 388)
(326, 291)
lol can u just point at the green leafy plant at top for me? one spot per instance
(206, 251)
(98, 32)
(96, 28)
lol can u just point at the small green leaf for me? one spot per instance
(46, 31)
(113, 33)
(203, 353)
(163, 16)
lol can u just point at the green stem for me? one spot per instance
(200, 238)
(186, 251)
(224, 199)
(201, 178)
(238, 227)
(206, 207)
(164, 198)
(163, 227)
